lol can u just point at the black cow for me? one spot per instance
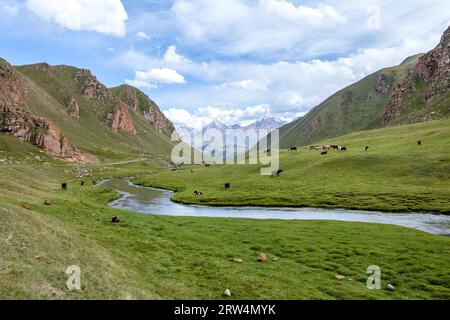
(324, 153)
(227, 186)
(294, 149)
(82, 183)
(343, 148)
(64, 186)
(276, 173)
(367, 148)
(115, 219)
(419, 143)
(198, 193)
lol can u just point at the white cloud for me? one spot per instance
(142, 35)
(149, 79)
(239, 26)
(10, 9)
(248, 84)
(106, 16)
(172, 57)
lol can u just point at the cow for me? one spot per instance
(276, 173)
(64, 186)
(82, 183)
(94, 182)
(227, 186)
(198, 193)
(207, 165)
(324, 153)
(334, 147)
(315, 148)
(342, 148)
(419, 143)
(294, 149)
(326, 147)
(47, 203)
(367, 148)
(115, 219)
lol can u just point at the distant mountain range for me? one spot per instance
(187, 134)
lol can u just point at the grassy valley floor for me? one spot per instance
(395, 174)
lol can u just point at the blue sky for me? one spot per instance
(232, 60)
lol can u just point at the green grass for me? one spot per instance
(153, 257)
(394, 175)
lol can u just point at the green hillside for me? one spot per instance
(49, 90)
(357, 107)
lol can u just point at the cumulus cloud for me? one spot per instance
(142, 35)
(106, 16)
(151, 78)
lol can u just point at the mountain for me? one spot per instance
(267, 123)
(425, 93)
(216, 125)
(69, 114)
(357, 107)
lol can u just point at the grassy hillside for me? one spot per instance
(48, 96)
(357, 107)
(394, 175)
(152, 257)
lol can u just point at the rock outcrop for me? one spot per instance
(18, 122)
(142, 104)
(432, 72)
(120, 119)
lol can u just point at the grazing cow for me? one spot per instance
(326, 147)
(335, 147)
(47, 203)
(115, 219)
(419, 143)
(324, 153)
(276, 173)
(342, 148)
(367, 148)
(64, 186)
(82, 183)
(315, 148)
(227, 186)
(208, 165)
(198, 193)
(294, 149)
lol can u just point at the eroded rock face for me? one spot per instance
(149, 109)
(73, 108)
(18, 122)
(120, 119)
(433, 69)
(91, 88)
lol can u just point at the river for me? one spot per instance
(153, 201)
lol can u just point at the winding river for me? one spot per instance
(157, 202)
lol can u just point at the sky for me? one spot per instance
(230, 60)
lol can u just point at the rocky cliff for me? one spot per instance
(20, 123)
(142, 104)
(118, 118)
(428, 81)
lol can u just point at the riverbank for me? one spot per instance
(394, 175)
